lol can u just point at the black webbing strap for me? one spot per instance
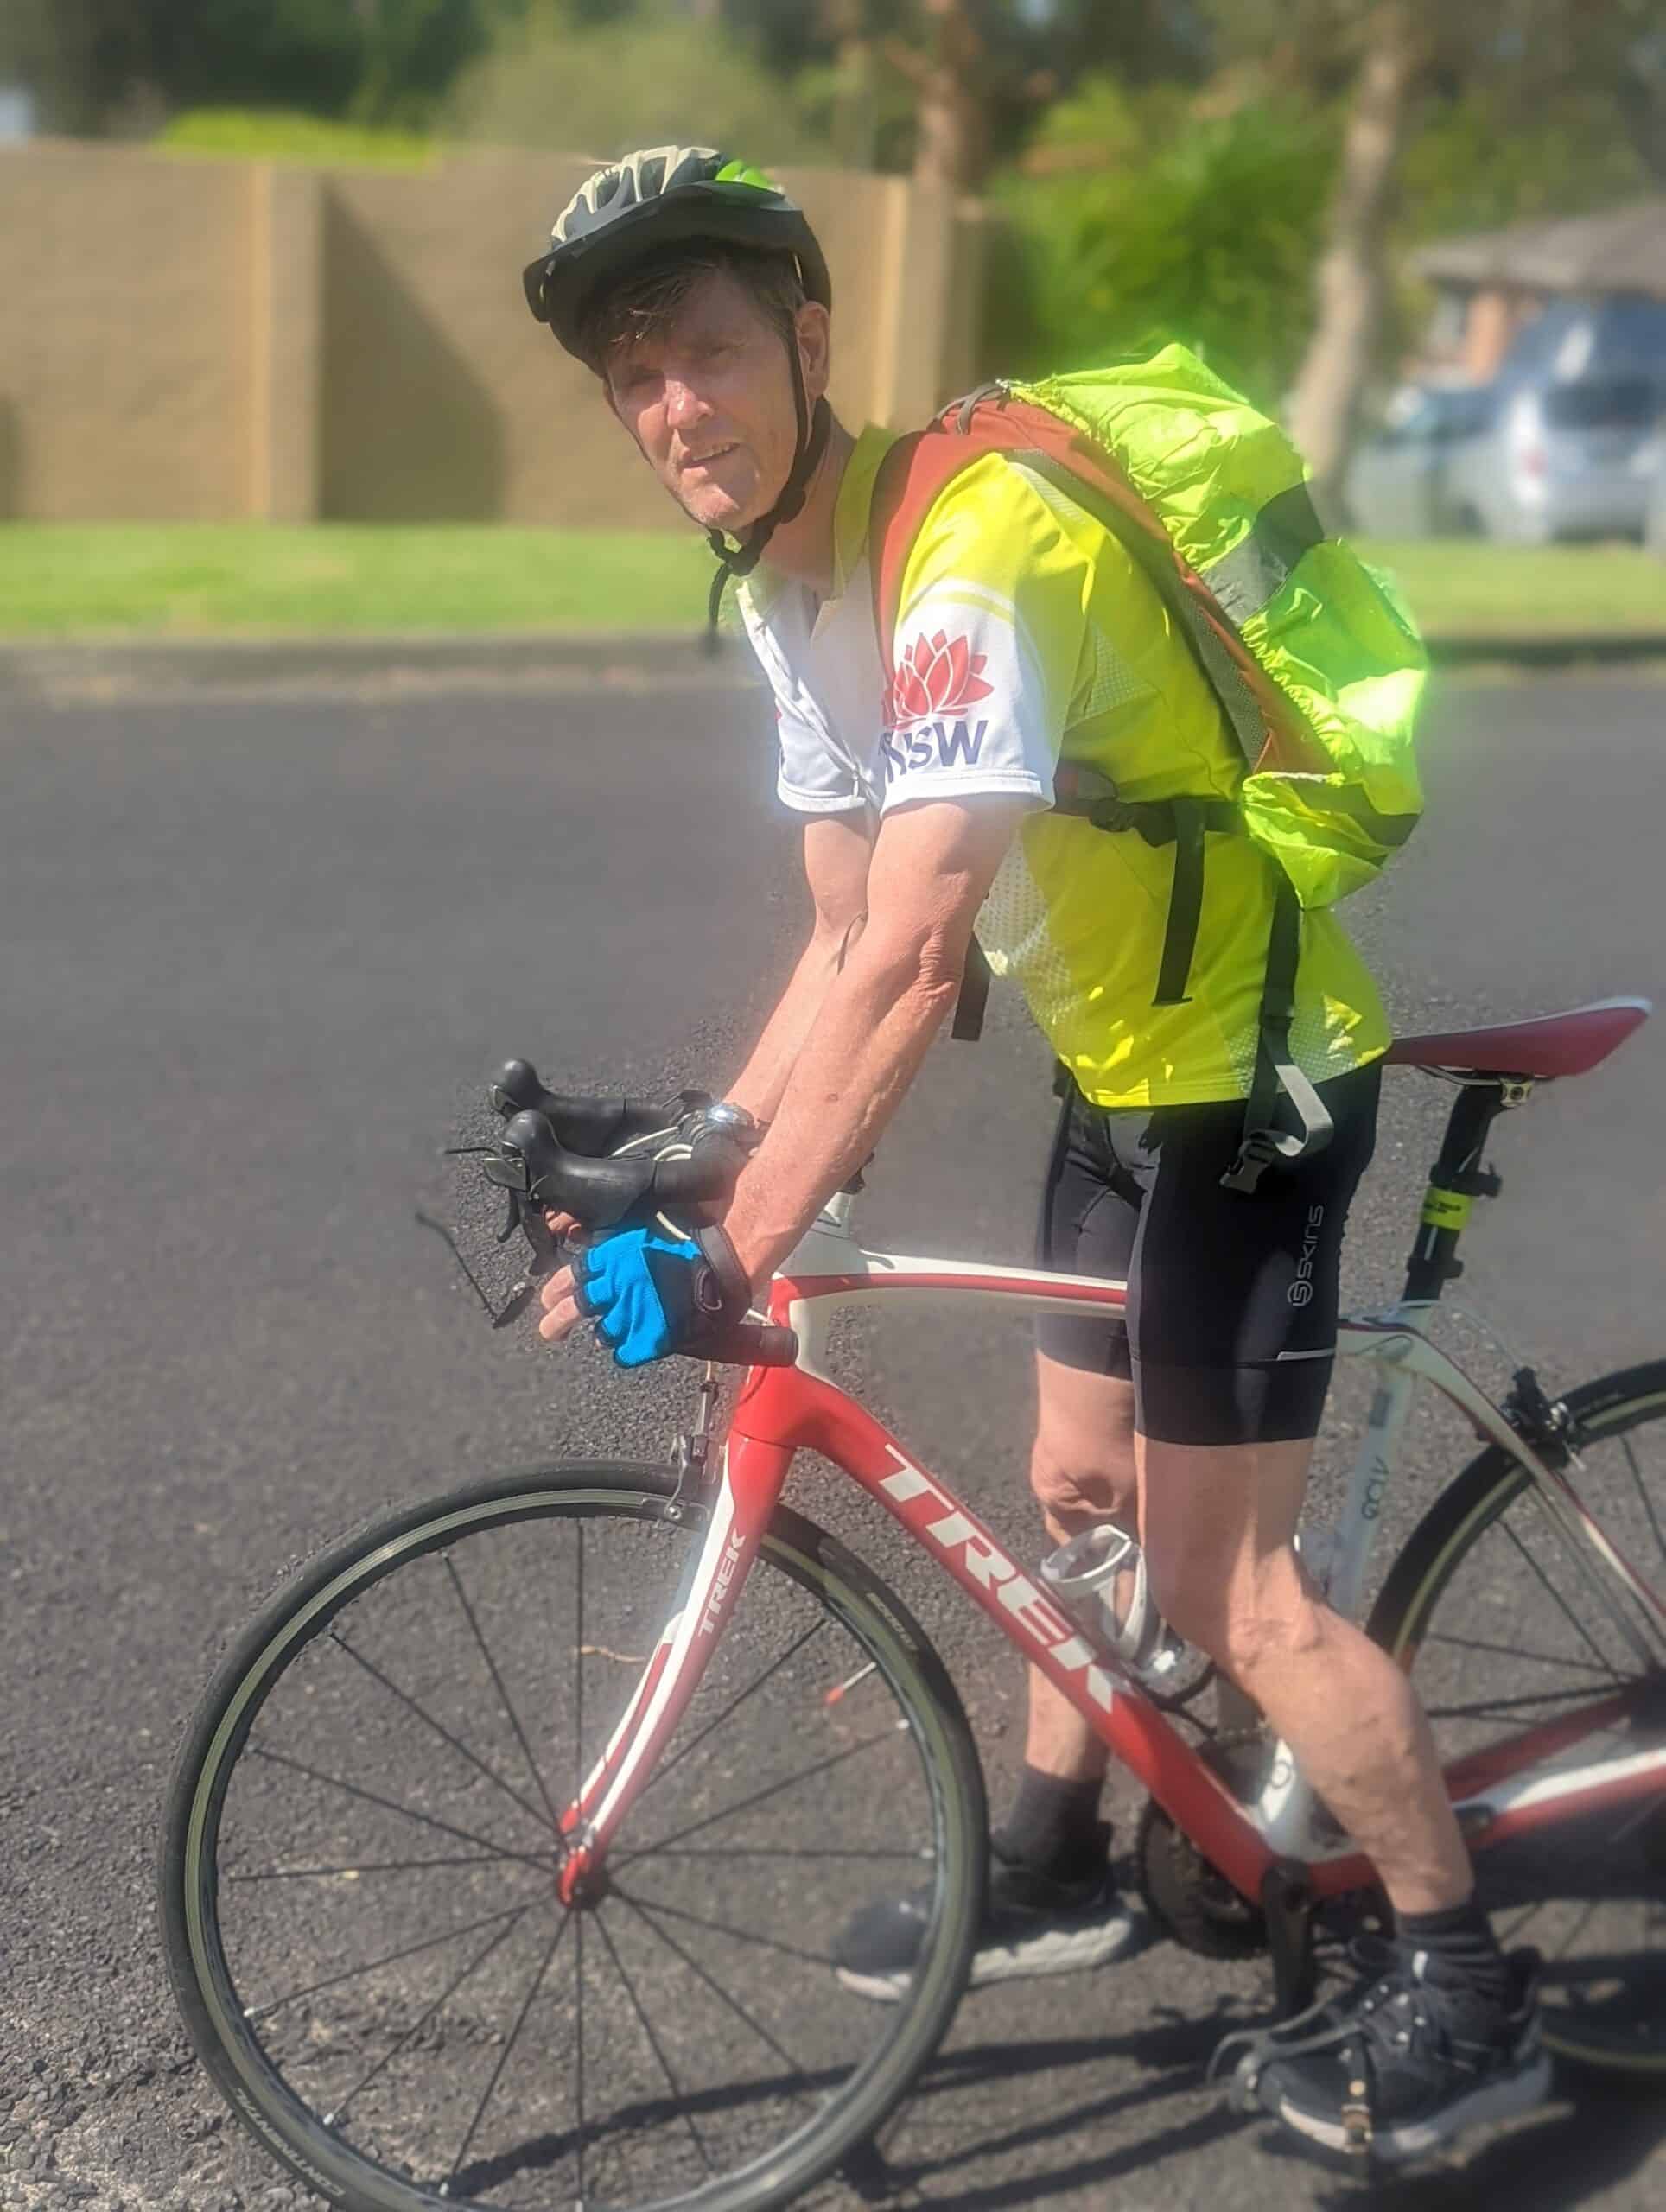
(973, 996)
(1276, 1073)
(1183, 822)
(1185, 902)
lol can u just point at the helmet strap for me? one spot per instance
(813, 431)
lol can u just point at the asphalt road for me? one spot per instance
(252, 944)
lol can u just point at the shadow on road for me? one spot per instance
(1172, 2042)
(1591, 2139)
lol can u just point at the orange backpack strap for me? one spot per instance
(920, 467)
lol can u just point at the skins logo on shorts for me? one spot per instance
(923, 716)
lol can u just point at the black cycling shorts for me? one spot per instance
(1232, 1299)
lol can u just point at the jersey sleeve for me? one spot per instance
(991, 631)
(811, 778)
(812, 775)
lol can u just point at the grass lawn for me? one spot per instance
(1465, 584)
(181, 579)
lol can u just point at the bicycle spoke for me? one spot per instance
(773, 1851)
(721, 1928)
(438, 1727)
(578, 1681)
(1519, 1923)
(1643, 1492)
(375, 1966)
(653, 2045)
(492, 1666)
(1649, 1809)
(1517, 1704)
(416, 2026)
(645, 1916)
(578, 1983)
(393, 1805)
(1511, 1651)
(1573, 1619)
(774, 1789)
(367, 1866)
(548, 1960)
(775, 1668)
(1577, 1929)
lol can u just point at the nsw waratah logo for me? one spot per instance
(936, 675)
(925, 722)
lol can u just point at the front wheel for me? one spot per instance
(358, 1879)
(1489, 1609)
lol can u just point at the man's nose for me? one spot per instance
(683, 405)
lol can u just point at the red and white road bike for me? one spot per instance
(508, 1851)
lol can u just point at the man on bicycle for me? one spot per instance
(1027, 635)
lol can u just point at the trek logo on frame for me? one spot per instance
(974, 1553)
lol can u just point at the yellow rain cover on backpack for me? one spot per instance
(1339, 794)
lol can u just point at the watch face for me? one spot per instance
(723, 1115)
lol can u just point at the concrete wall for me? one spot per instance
(205, 339)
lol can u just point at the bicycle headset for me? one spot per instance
(667, 195)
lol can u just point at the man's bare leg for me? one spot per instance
(1218, 1524)
(1082, 1471)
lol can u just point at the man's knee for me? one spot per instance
(1077, 1483)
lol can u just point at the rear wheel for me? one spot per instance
(359, 1881)
(1488, 1607)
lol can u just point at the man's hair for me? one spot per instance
(647, 299)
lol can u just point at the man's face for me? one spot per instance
(711, 401)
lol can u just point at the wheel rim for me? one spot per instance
(321, 2055)
(1503, 1636)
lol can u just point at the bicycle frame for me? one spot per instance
(1498, 1794)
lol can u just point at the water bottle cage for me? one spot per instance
(1085, 1577)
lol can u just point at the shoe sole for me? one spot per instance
(1056, 1953)
(1500, 2098)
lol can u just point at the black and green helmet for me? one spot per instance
(666, 196)
(662, 196)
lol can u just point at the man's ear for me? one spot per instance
(814, 328)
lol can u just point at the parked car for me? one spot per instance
(1562, 460)
(1561, 444)
(1398, 484)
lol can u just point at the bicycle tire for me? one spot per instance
(304, 1608)
(1426, 1571)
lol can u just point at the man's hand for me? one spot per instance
(561, 1313)
(649, 1294)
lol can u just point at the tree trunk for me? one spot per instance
(1352, 282)
(952, 150)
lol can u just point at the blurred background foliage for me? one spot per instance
(1174, 167)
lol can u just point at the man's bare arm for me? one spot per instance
(931, 868)
(837, 848)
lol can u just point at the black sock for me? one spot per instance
(1462, 1940)
(1054, 1828)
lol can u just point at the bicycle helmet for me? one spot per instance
(665, 196)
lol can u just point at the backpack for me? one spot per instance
(1315, 659)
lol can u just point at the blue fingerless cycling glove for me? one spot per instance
(650, 1295)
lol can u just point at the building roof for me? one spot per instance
(1623, 250)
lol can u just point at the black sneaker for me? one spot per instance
(1032, 1925)
(1410, 2060)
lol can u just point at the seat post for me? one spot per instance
(1456, 1180)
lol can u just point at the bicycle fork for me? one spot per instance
(749, 1480)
